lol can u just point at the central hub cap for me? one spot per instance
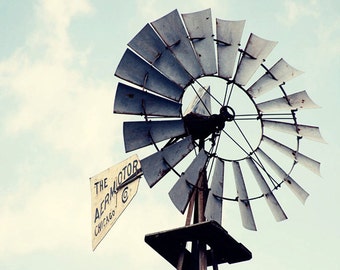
(227, 113)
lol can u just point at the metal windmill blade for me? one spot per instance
(228, 40)
(213, 209)
(130, 100)
(152, 49)
(278, 74)
(299, 100)
(189, 86)
(174, 34)
(307, 162)
(272, 202)
(181, 191)
(199, 27)
(142, 133)
(160, 163)
(243, 199)
(300, 193)
(306, 131)
(256, 51)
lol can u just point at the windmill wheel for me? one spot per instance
(190, 104)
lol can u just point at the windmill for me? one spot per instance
(198, 101)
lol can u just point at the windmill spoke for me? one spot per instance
(230, 93)
(225, 94)
(257, 160)
(244, 137)
(265, 116)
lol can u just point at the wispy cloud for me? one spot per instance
(293, 11)
(43, 218)
(69, 113)
(54, 21)
(156, 9)
(52, 95)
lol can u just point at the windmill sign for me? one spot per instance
(111, 192)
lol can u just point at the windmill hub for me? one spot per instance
(201, 126)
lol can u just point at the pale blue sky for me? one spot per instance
(57, 60)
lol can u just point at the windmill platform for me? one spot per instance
(223, 248)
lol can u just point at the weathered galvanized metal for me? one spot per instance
(229, 34)
(299, 100)
(134, 69)
(256, 51)
(143, 133)
(279, 73)
(309, 132)
(299, 192)
(150, 47)
(130, 100)
(213, 210)
(271, 200)
(157, 165)
(199, 27)
(181, 192)
(172, 31)
(307, 162)
(242, 198)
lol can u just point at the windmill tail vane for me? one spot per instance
(238, 123)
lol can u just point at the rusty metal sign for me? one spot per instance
(111, 192)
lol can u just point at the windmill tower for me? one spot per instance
(234, 124)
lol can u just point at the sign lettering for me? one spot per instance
(111, 192)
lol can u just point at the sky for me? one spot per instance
(57, 129)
